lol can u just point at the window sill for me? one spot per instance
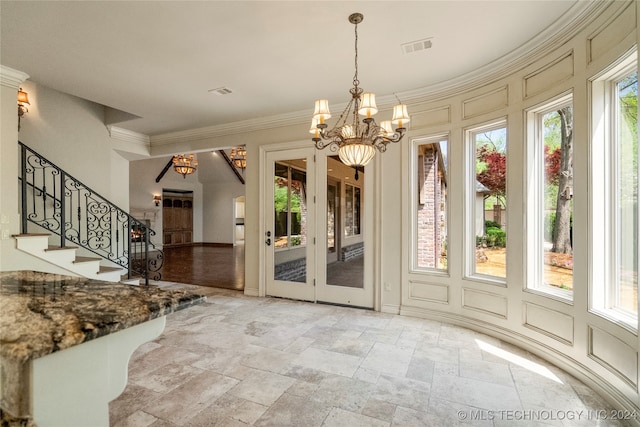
(617, 317)
(487, 280)
(560, 295)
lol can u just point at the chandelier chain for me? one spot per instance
(356, 82)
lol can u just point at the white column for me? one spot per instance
(10, 81)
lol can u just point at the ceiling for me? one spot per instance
(159, 60)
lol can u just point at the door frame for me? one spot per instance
(372, 220)
(282, 288)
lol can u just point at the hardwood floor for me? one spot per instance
(218, 267)
(223, 267)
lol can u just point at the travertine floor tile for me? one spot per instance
(340, 418)
(238, 361)
(263, 387)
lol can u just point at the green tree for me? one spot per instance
(491, 163)
(562, 228)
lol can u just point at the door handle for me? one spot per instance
(268, 242)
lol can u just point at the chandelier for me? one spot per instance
(185, 165)
(356, 141)
(239, 157)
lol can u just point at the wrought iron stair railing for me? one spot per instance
(56, 201)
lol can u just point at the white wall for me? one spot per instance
(218, 211)
(71, 133)
(68, 131)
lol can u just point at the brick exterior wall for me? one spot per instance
(431, 225)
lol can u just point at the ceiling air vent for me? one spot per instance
(416, 46)
(221, 91)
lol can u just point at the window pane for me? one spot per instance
(356, 211)
(490, 203)
(281, 205)
(298, 208)
(348, 210)
(557, 207)
(431, 224)
(290, 206)
(626, 294)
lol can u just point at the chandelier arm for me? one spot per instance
(334, 146)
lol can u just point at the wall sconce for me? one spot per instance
(23, 101)
(157, 200)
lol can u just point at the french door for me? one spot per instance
(290, 224)
(316, 228)
(343, 270)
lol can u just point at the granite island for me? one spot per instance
(65, 343)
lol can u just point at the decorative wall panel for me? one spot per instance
(548, 76)
(550, 322)
(487, 302)
(599, 43)
(485, 103)
(433, 117)
(430, 292)
(614, 354)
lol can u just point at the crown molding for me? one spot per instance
(12, 78)
(545, 42)
(262, 123)
(128, 136)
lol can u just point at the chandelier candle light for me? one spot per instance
(356, 141)
(185, 165)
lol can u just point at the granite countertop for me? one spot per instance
(41, 313)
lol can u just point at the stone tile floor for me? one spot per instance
(238, 360)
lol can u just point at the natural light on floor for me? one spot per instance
(517, 360)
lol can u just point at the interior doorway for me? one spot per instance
(238, 205)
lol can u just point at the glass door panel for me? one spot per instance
(333, 236)
(342, 281)
(289, 224)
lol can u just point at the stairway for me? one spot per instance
(37, 244)
(53, 201)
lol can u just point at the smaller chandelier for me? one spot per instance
(185, 165)
(239, 157)
(355, 141)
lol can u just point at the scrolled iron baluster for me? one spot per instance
(63, 224)
(99, 232)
